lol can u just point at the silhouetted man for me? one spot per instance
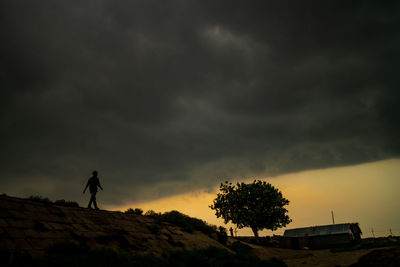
(93, 183)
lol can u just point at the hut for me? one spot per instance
(323, 236)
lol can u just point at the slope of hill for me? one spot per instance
(33, 227)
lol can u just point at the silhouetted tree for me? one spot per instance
(257, 205)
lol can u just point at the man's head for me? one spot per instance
(94, 173)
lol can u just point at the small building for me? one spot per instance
(323, 236)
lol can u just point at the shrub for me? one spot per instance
(222, 236)
(39, 199)
(136, 211)
(152, 213)
(129, 211)
(188, 224)
(64, 203)
(60, 202)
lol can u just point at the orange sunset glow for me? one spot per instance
(365, 193)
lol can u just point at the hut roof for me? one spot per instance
(331, 229)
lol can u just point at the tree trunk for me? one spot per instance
(255, 231)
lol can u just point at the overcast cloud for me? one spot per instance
(164, 97)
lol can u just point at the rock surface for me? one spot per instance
(33, 227)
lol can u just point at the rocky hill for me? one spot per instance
(33, 227)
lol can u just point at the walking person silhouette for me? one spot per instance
(93, 183)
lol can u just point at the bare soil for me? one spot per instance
(324, 257)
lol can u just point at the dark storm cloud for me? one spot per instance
(167, 96)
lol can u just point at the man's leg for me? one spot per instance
(94, 200)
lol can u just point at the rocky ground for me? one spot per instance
(33, 227)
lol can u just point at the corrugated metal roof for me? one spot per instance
(332, 229)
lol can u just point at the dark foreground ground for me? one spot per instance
(249, 256)
(68, 254)
(379, 251)
(34, 232)
(383, 257)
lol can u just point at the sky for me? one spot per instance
(167, 98)
(364, 193)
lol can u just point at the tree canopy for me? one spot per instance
(257, 205)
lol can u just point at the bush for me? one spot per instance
(222, 236)
(152, 213)
(60, 202)
(136, 211)
(64, 203)
(188, 224)
(40, 199)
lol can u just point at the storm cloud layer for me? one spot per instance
(163, 97)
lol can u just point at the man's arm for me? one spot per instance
(84, 190)
(100, 185)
